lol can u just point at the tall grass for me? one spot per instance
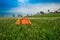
(40, 29)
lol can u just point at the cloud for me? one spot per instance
(23, 1)
(34, 8)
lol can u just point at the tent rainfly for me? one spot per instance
(23, 21)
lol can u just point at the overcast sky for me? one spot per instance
(28, 6)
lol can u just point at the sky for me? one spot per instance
(28, 6)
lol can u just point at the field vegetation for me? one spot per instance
(45, 28)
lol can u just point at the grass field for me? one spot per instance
(46, 28)
(47, 15)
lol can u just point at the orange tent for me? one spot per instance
(23, 21)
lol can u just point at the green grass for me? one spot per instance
(47, 15)
(40, 29)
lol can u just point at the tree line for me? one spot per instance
(56, 11)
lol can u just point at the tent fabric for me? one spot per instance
(23, 21)
(18, 22)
